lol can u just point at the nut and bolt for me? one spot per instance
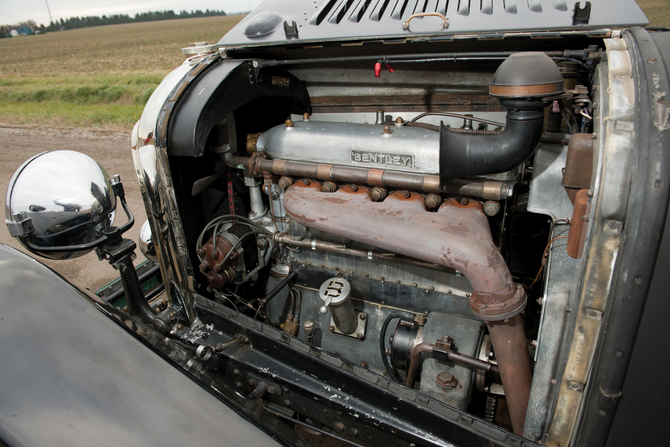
(446, 380)
(379, 194)
(491, 208)
(354, 188)
(362, 316)
(359, 336)
(285, 182)
(329, 186)
(463, 201)
(406, 194)
(399, 121)
(331, 328)
(364, 365)
(305, 116)
(433, 201)
(289, 123)
(387, 130)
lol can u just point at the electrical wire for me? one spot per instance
(221, 295)
(298, 302)
(456, 115)
(567, 121)
(544, 255)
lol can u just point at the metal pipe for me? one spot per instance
(457, 236)
(509, 345)
(462, 359)
(279, 287)
(428, 57)
(316, 244)
(489, 190)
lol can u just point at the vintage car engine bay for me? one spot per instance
(413, 242)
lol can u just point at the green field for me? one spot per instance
(96, 77)
(101, 77)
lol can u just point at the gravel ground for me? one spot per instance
(109, 148)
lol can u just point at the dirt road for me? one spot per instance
(111, 150)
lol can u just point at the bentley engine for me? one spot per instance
(403, 225)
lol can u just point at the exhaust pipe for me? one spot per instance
(456, 236)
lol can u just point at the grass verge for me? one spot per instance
(64, 115)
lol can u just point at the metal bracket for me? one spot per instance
(290, 30)
(359, 333)
(20, 225)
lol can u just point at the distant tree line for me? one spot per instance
(84, 22)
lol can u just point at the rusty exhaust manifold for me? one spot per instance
(456, 236)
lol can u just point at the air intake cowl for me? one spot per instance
(521, 82)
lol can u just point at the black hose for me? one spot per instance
(382, 339)
(279, 287)
(464, 155)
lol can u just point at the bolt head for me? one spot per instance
(331, 328)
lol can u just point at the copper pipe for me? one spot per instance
(489, 190)
(466, 360)
(509, 345)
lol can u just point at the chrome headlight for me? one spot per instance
(59, 199)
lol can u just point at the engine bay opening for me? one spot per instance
(401, 226)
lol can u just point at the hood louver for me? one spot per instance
(339, 20)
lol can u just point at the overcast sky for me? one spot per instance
(14, 11)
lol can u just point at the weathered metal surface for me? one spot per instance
(547, 196)
(578, 164)
(328, 20)
(448, 354)
(611, 191)
(402, 148)
(405, 103)
(509, 345)
(457, 236)
(577, 235)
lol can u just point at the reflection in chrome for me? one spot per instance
(146, 242)
(59, 198)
